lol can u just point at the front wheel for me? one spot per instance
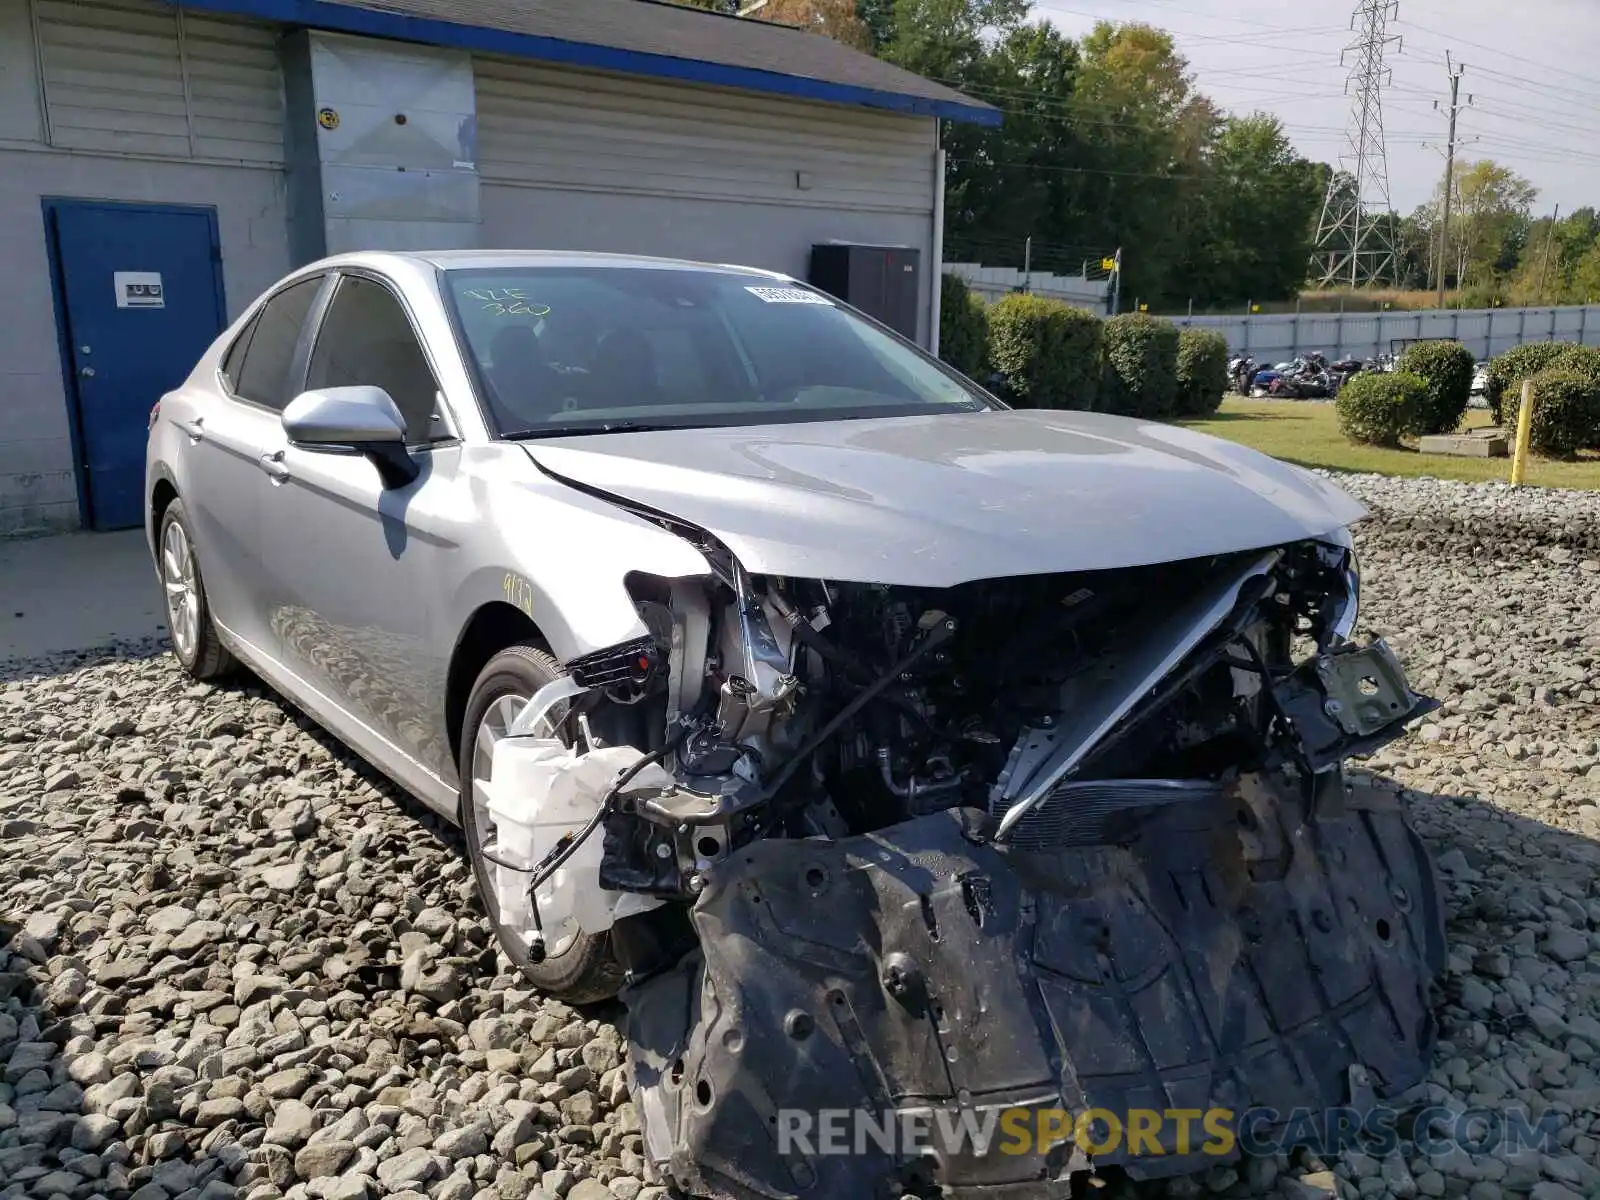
(195, 640)
(579, 968)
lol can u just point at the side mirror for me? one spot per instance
(353, 420)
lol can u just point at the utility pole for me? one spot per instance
(1544, 267)
(1354, 240)
(1449, 165)
(1027, 264)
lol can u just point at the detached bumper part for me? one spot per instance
(1229, 953)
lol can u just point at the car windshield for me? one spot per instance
(592, 349)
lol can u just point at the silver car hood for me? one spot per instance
(933, 501)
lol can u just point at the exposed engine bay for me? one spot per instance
(1077, 841)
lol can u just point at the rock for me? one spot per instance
(285, 1085)
(1319, 1185)
(493, 1033)
(1549, 1190)
(349, 1187)
(463, 1143)
(285, 878)
(323, 1158)
(93, 1132)
(171, 919)
(292, 1124)
(410, 1168)
(1565, 945)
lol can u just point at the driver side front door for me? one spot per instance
(360, 566)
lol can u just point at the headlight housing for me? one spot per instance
(1341, 557)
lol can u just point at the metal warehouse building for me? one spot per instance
(161, 164)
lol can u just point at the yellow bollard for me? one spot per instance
(1519, 460)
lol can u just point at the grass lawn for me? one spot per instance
(1306, 434)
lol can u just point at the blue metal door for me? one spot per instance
(138, 300)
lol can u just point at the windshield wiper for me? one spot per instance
(568, 430)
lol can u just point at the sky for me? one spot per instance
(1533, 76)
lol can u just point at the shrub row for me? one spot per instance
(1566, 387)
(1042, 353)
(1381, 408)
(1445, 369)
(1566, 410)
(1430, 387)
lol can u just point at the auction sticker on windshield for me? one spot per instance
(782, 295)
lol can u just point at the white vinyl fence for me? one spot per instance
(1486, 332)
(991, 283)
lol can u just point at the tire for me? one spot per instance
(587, 971)
(195, 641)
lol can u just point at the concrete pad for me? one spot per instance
(1479, 443)
(77, 591)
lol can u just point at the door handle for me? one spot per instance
(193, 428)
(272, 464)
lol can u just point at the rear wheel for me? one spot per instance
(195, 641)
(579, 968)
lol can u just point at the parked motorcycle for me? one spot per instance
(1241, 373)
(1305, 378)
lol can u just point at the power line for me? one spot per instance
(1498, 52)
(1347, 243)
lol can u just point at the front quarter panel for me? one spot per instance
(560, 556)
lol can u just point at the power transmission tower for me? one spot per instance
(1456, 72)
(1354, 243)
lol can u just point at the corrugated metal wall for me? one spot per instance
(554, 128)
(1486, 332)
(584, 160)
(140, 77)
(141, 104)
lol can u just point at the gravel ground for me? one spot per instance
(233, 962)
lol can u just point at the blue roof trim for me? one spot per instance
(344, 18)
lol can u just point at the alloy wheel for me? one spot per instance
(182, 589)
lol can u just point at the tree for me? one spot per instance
(1144, 130)
(1254, 221)
(1489, 226)
(1585, 285)
(836, 19)
(1006, 185)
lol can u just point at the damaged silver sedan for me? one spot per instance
(885, 750)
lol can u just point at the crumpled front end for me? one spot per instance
(926, 885)
(1242, 950)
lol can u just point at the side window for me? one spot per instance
(366, 339)
(263, 375)
(233, 360)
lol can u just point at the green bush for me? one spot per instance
(1506, 373)
(1141, 371)
(1446, 367)
(963, 328)
(1566, 410)
(1381, 408)
(1046, 352)
(1202, 371)
(1583, 359)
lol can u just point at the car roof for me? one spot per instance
(450, 260)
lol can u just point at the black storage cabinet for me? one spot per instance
(882, 281)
